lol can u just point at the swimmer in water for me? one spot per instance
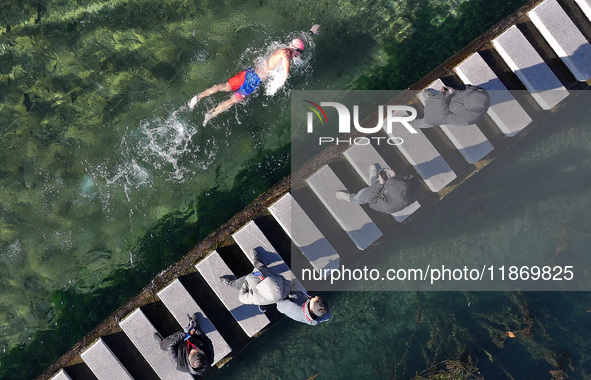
(247, 81)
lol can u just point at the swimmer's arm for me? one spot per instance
(285, 64)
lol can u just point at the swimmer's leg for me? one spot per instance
(218, 87)
(223, 106)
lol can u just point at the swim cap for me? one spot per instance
(297, 44)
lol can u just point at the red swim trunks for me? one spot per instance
(236, 81)
(244, 83)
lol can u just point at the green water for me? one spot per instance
(394, 335)
(105, 178)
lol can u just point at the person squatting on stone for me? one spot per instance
(186, 348)
(300, 307)
(387, 193)
(463, 106)
(260, 287)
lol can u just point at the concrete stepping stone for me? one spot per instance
(530, 68)
(423, 156)
(304, 234)
(504, 110)
(61, 375)
(468, 140)
(140, 331)
(361, 157)
(250, 237)
(103, 363)
(585, 6)
(350, 216)
(564, 37)
(250, 319)
(179, 302)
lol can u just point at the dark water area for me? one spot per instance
(107, 179)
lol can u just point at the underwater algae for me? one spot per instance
(412, 335)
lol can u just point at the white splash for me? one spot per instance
(130, 175)
(167, 140)
(15, 251)
(275, 81)
(298, 65)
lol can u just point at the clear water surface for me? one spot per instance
(106, 179)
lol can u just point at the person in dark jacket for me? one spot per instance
(463, 106)
(387, 193)
(300, 307)
(186, 348)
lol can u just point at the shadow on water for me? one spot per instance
(544, 173)
(164, 244)
(432, 43)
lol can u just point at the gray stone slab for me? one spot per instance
(250, 319)
(180, 304)
(140, 331)
(468, 140)
(361, 157)
(350, 216)
(304, 233)
(504, 110)
(530, 68)
(103, 363)
(61, 375)
(401, 215)
(564, 37)
(585, 6)
(423, 156)
(249, 237)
